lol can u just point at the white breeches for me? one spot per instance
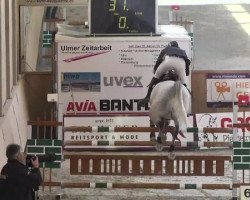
(172, 63)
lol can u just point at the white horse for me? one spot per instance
(170, 100)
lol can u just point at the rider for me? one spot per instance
(171, 58)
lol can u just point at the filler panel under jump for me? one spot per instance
(147, 165)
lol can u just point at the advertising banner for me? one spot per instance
(107, 75)
(224, 89)
(222, 120)
(101, 80)
(107, 121)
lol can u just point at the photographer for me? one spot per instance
(20, 182)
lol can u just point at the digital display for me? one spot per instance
(123, 16)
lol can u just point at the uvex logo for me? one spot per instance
(123, 81)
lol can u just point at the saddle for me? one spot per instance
(171, 76)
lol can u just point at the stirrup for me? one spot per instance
(143, 102)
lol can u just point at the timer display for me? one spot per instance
(123, 16)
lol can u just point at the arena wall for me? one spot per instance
(13, 125)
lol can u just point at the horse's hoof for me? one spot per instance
(159, 140)
(171, 155)
(152, 135)
(171, 148)
(163, 138)
(152, 139)
(158, 147)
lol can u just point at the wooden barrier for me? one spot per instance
(146, 143)
(237, 125)
(147, 185)
(141, 129)
(134, 165)
(42, 129)
(207, 186)
(114, 129)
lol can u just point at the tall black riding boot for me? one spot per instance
(151, 85)
(187, 88)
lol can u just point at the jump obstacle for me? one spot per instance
(134, 165)
(147, 166)
(137, 165)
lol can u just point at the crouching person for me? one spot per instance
(20, 181)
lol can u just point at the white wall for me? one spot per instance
(3, 63)
(33, 37)
(13, 126)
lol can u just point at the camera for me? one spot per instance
(48, 157)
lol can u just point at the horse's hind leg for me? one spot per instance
(159, 144)
(163, 134)
(172, 146)
(152, 134)
(171, 155)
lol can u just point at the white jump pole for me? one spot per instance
(235, 139)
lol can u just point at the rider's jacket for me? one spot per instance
(176, 52)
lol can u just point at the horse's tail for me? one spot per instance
(180, 112)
